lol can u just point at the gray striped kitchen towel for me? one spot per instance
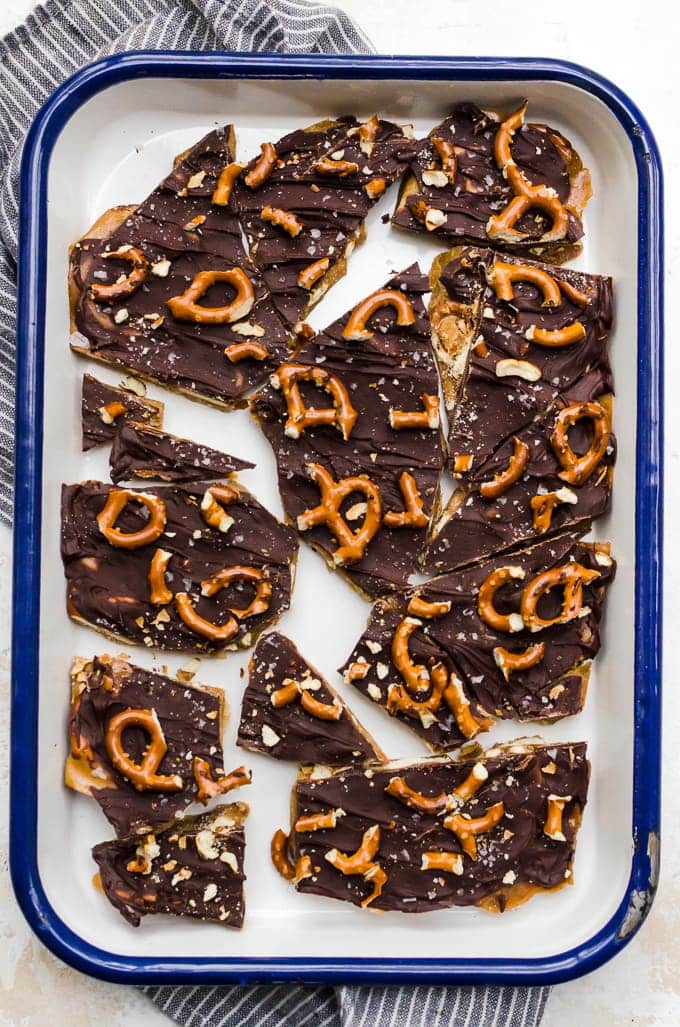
(56, 39)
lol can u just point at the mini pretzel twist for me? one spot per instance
(543, 505)
(375, 188)
(126, 286)
(336, 168)
(115, 503)
(459, 704)
(142, 776)
(311, 274)
(571, 577)
(356, 671)
(352, 543)
(215, 498)
(361, 862)
(501, 278)
(485, 600)
(472, 783)
(262, 168)
(378, 878)
(159, 593)
(449, 862)
(255, 575)
(209, 786)
(527, 196)
(111, 411)
(321, 821)
(303, 869)
(187, 308)
(509, 663)
(342, 414)
(292, 691)
(556, 337)
(368, 131)
(413, 514)
(281, 856)
(446, 152)
(553, 822)
(399, 700)
(202, 626)
(416, 676)
(427, 418)
(399, 789)
(246, 350)
(419, 607)
(356, 331)
(502, 480)
(225, 185)
(466, 829)
(577, 469)
(284, 219)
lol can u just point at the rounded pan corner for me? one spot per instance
(639, 894)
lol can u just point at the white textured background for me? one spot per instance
(635, 45)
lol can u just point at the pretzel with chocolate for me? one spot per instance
(342, 414)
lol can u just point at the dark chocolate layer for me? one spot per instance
(190, 719)
(140, 452)
(195, 868)
(514, 858)
(289, 732)
(474, 527)
(100, 412)
(391, 370)
(331, 208)
(479, 190)
(466, 644)
(108, 587)
(181, 233)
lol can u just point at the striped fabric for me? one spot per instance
(56, 39)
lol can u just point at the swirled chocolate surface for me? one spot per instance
(180, 232)
(195, 869)
(289, 732)
(141, 452)
(514, 859)
(100, 412)
(108, 587)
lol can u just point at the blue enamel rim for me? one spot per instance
(637, 900)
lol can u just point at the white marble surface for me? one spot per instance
(636, 46)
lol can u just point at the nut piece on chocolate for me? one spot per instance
(554, 475)
(510, 336)
(143, 745)
(191, 568)
(354, 423)
(487, 178)
(291, 712)
(490, 831)
(509, 637)
(304, 199)
(194, 868)
(142, 452)
(104, 409)
(166, 290)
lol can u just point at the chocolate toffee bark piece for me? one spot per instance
(104, 409)
(511, 335)
(142, 452)
(485, 178)
(167, 290)
(192, 868)
(489, 831)
(291, 712)
(304, 199)
(510, 637)
(143, 745)
(184, 567)
(354, 424)
(552, 476)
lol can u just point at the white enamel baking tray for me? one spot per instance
(111, 141)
